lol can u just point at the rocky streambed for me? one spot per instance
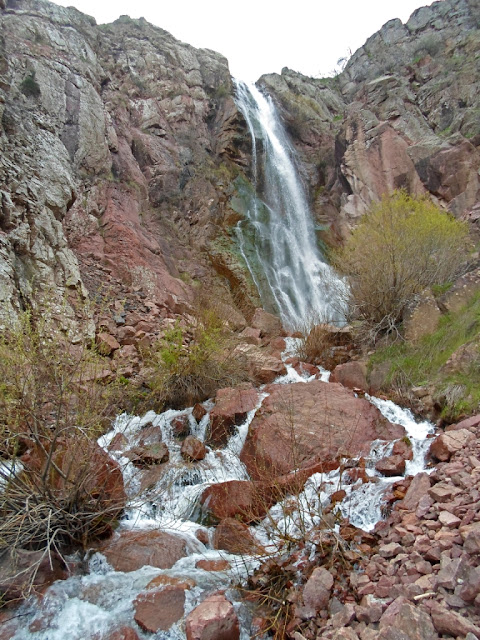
(218, 490)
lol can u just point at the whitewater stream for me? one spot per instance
(92, 605)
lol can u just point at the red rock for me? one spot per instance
(17, 570)
(118, 442)
(417, 489)
(338, 496)
(106, 343)
(401, 448)
(180, 426)
(443, 447)
(199, 412)
(442, 491)
(299, 425)
(158, 610)
(125, 633)
(213, 565)
(193, 449)
(149, 455)
(304, 368)
(413, 622)
(472, 542)
(263, 368)
(202, 535)
(213, 619)
(390, 550)
(450, 623)
(449, 520)
(391, 466)
(235, 537)
(474, 421)
(250, 336)
(235, 498)
(268, 324)
(470, 588)
(316, 592)
(231, 408)
(132, 550)
(351, 374)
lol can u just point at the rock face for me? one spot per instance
(112, 141)
(401, 115)
(300, 425)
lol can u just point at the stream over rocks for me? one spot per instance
(171, 551)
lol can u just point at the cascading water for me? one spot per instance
(277, 238)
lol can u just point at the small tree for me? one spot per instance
(402, 245)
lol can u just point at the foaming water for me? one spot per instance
(278, 239)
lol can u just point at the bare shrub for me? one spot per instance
(58, 488)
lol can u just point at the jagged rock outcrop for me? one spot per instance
(116, 143)
(403, 114)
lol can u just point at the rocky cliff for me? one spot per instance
(122, 152)
(115, 164)
(403, 114)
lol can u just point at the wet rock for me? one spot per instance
(391, 466)
(132, 550)
(181, 426)
(150, 455)
(158, 610)
(213, 565)
(235, 537)
(231, 408)
(213, 619)
(351, 374)
(235, 498)
(299, 425)
(125, 633)
(23, 569)
(266, 323)
(199, 412)
(418, 488)
(193, 449)
(443, 447)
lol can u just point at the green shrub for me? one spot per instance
(190, 363)
(30, 87)
(401, 246)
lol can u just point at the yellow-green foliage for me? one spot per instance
(401, 246)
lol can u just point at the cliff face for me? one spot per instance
(122, 151)
(404, 113)
(115, 142)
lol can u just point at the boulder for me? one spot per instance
(443, 447)
(235, 537)
(351, 374)
(106, 343)
(268, 324)
(158, 610)
(235, 498)
(262, 367)
(213, 619)
(250, 336)
(213, 565)
(23, 569)
(418, 488)
(448, 622)
(316, 592)
(300, 425)
(193, 449)
(199, 412)
(149, 455)
(131, 550)
(231, 408)
(181, 426)
(391, 466)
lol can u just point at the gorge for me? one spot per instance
(143, 191)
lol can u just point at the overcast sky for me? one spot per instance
(263, 36)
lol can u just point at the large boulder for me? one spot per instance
(213, 619)
(443, 447)
(193, 449)
(235, 537)
(231, 408)
(157, 610)
(268, 324)
(351, 374)
(300, 425)
(262, 367)
(132, 550)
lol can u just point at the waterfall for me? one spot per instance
(277, 236)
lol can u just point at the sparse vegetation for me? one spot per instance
(30, 87)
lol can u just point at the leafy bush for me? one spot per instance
(401, 246)
(190, 363)
(30, 87)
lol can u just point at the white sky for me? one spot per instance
(262, 36)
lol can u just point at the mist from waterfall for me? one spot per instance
(277, 237)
